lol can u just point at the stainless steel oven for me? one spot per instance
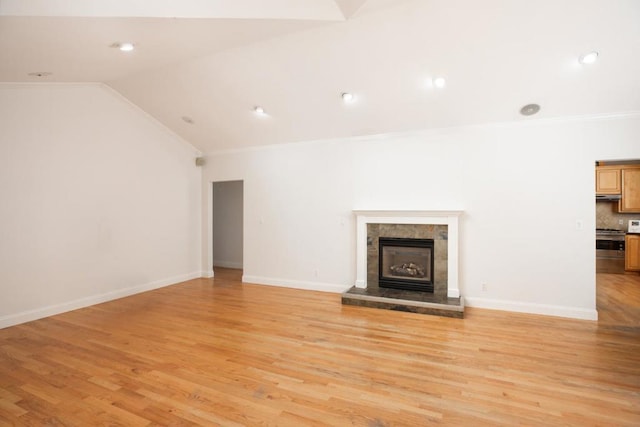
(609, 251)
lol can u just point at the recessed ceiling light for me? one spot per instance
(348, 97)
(259, 110)
(124, 46)
(40, 74)
(588, 58)
(529, 109)
(439, 82)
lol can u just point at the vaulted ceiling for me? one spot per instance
(200, 66)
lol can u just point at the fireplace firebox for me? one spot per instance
(406, 264)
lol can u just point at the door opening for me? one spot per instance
(227, 227)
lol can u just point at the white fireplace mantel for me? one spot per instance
(449, 218)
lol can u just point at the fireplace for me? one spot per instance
(441, 226)
(406, 263)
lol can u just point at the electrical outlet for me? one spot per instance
(484, 287)
(621, 222)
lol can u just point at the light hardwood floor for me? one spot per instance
(618, 300)
(219, 352)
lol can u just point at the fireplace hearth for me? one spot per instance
(406, 263)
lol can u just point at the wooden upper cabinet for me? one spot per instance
(608, 180)
(632, 252)
(630, 178)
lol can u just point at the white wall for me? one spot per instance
(227, 224)
(524, 189)
(98, 200)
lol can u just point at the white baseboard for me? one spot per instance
(297, 284)
(52, 310)
(226, 264)
(531, 308)
(206, 274)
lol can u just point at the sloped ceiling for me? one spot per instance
(200, 67)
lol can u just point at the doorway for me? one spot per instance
(227, 226)
(617, 289)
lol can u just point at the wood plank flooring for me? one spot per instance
(618, 300)
(219, 352)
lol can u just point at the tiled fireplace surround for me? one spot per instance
(442, 227)
(438, 233)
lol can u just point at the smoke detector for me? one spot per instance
(529, 109)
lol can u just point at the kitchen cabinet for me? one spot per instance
(630, 179)
(608, 180)
(632, 252)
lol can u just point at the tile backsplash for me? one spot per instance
(607, 216)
